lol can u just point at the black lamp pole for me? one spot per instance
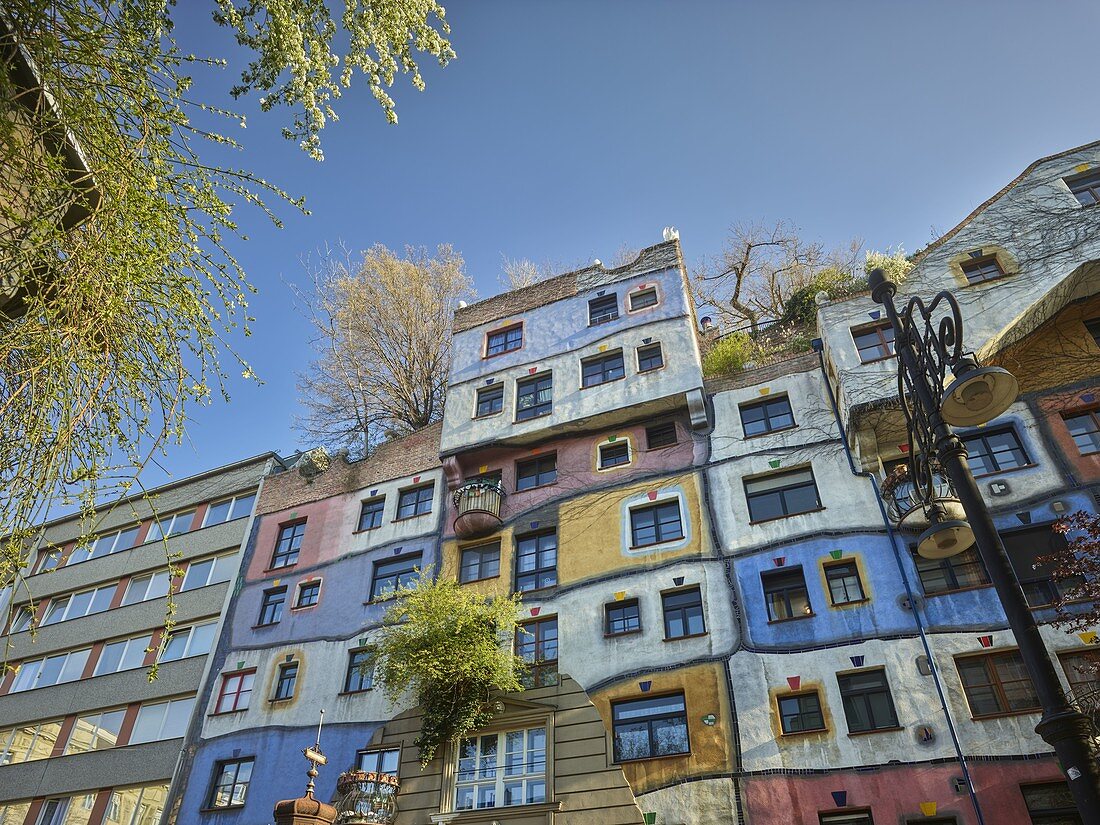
(928, 343)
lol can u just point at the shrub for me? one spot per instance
(729, 355)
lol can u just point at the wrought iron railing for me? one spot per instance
(366, 798)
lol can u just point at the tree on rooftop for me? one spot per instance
(383, 344)
(123, 316)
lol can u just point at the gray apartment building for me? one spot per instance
(86, 737)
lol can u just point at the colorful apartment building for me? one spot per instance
(85, 736)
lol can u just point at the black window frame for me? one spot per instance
(356, 678)
(509, 343)
(373, 506)
(292, 536)
(646, 360)
(781, 492)
(1024, 548)
(620, 458)
(271, 606)
(630, 620)
(684, 604)
(527, 581)
(987, 457)
(604, 368)
(883, 346)
(286, 681)
(1092, 327)
(537, 409)
(540, 470)
(219, 769)
(850, 696)
(780, 582)
(1092, 417)
(844, 570)
(492, 397)
(1065, 812)
(411, 574)
(418, 501)
(312, 587)
(969, 560)
(484, 551)
(767, 405)
(598, 312)
(1085, 183)
(633, 296)
(846, 817)
(654, 751)
(656, 509)
(656, 433)
(536, 640)
(978, 270)
(801, 713)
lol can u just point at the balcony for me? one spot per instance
(477, 508)
(366, 798)
(903, 500)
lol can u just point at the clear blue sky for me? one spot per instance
(566, 129)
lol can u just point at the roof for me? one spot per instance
(416, 452)
(936, 244)
(660, 256)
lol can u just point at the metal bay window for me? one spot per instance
(501, 769)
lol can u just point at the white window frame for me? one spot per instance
(217, 564)
(165, 526)
(66, 613)
(187, 653)
(97, 728)
(149, 578)
(618, 441)
(7, 741)
(165, 709)
(145, 640)
(93, 549)
(233, 515)
(500, 780)
(64, 666)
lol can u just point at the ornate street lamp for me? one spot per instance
(928, 343)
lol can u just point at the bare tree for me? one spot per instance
(517, 273)
(383, 344)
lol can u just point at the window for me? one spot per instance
(490, 400)
(995, 452)
(229, 509)
(846, 818)
(286, 682)
(950, 574)
(47, 560)
(985, 268)
(1024, 548)
(643, 298)
(801, 713)
(874, 342)
(614, 455)
(622, 618)
(1085, 429)
(536, 561)
(360, 674)
(660, 435)
(481, 562)
(996, 684)
(650, 357)
(656, 524)
(650, 727)
(1085, 187)
(781, 495)
(844, 583)
(785, 594)
(94, 732)
(26, 743)
(504, 340)
(67, 810)
(104, 545)
(1082, 669)
(141, 805)
(1050, 803)
(370, 514)
(683, 611)
(149, 586)
(309, 593)
(393, 575)
(501, 769)
(534, 397)
(84, 603)
(536, 472)
(767, 416)
(1092, 325)
(537, 644)
(230, 784)
(124, 654)
(24, 616)
(415, 502)
(604, 309)
(189, 641)
(602, 369)
(173, 525)
(868, 705)
(271, 606)
(209, 571)
(162, 720)
(288, 544)
(236, 690)
(384, 761)
(50, 670)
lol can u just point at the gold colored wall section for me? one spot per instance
(1060, 352)
(705, 695)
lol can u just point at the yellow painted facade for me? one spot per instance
(1060, 352)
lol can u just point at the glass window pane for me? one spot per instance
(135, 652)
(74, 666)
(197, 575)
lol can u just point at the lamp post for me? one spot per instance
(928, 343)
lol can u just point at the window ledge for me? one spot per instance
(264, 573)
(268, 624)
(365, 530)
(482, 579)
(533, 417)
(536, 486)
(602, 383)
(876, 730)
(770, 432)
(792, 618)
(354, 692)
(688, 636)
(221, 809)
(880, 359)
(1005, 472)
(657, 543)
(410, 518)
(650, 758)
(304, 606)
(796, 733)
(487, 415)
(624, 633)
(852, 603)
(958, 590)
(1005, 714)
(502, 812)
(789, 515)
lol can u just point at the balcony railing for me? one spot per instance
(366, 798)
(477, 508)
(903, 500)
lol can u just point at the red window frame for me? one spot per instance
(239, 692)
